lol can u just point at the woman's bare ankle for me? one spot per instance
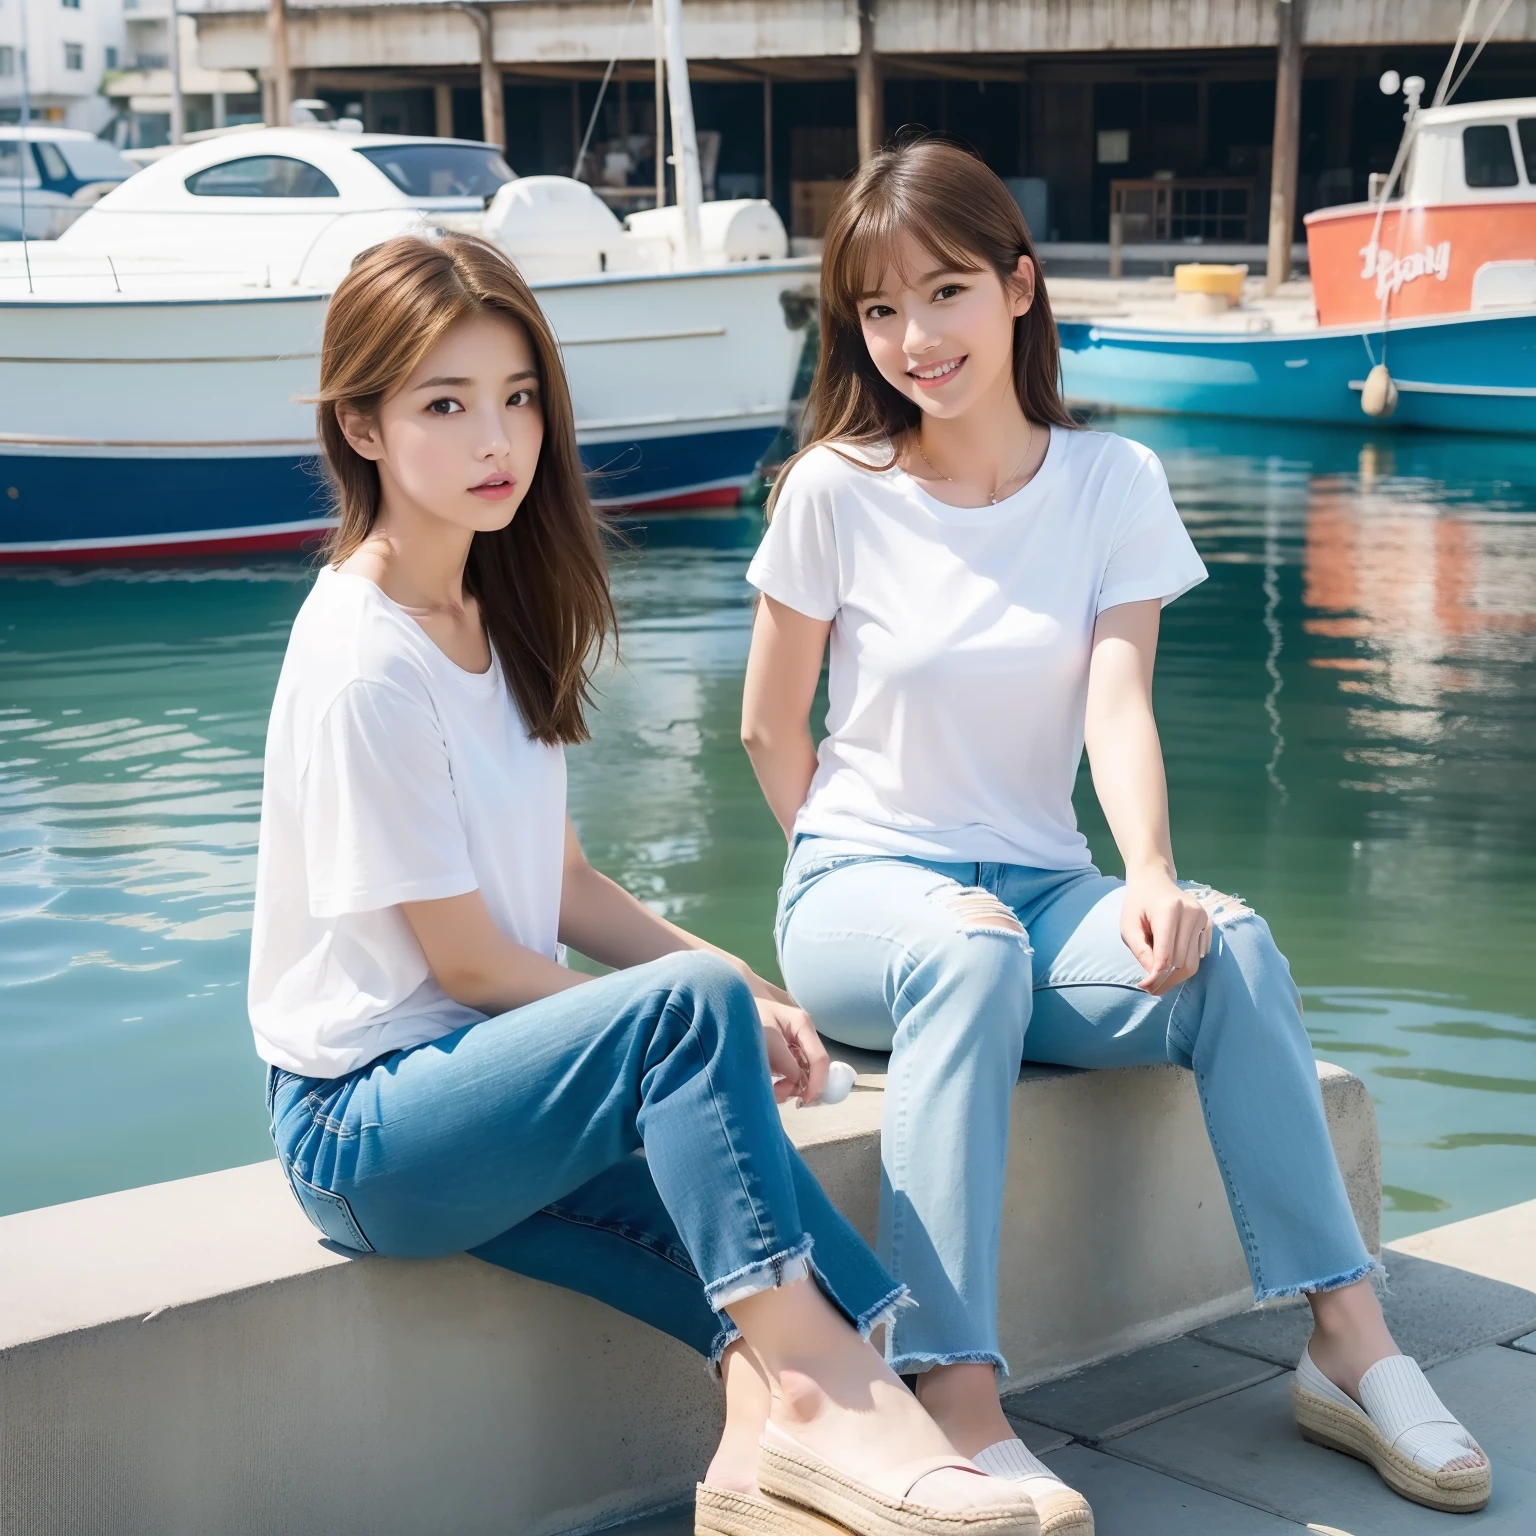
(962, 1400)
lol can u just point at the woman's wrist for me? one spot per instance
(1152, 867)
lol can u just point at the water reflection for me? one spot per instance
(1347, 710)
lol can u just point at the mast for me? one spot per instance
(178, 106)
(685, 143)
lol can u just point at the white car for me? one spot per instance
(55, 174)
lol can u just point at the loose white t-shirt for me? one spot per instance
(391, 775)
(961, 637)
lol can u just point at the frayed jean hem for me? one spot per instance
(915, 1364)
(782, 1268)
(1370, 1269)
(883, 1311)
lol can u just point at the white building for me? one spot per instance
(71, 47)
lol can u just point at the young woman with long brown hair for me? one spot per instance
(438, 1081)
(990, 579)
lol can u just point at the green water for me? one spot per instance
(1349, 715)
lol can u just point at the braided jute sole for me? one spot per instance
(724, 1512)
(1065, 1514)
(1455, 1493)
(808, 1483)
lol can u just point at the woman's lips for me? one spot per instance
(951, 365)
(497, 489)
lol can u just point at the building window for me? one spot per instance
(71, 5)
(74, 56)
(7, 62)
(110, 59)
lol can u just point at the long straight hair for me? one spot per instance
(541, 582)
(965, 218)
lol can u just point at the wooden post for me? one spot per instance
(493, 114)
(575, 128)
(659, 24)
(442, 110)
(768, 139)
(867, 88)
(1289, 21)
(278, 69)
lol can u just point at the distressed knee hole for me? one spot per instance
(1223, 909)
(979, 909)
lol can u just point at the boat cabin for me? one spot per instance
(1461, 238)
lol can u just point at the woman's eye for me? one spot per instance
(445, 407)
(878, 312)
(949, 290)
(520, 397)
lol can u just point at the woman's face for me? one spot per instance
(944, 338)
(461, 440)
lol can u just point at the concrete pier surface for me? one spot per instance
(1194, 1437)
(192, 1357)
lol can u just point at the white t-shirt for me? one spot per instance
(391, 775)
(961, 638)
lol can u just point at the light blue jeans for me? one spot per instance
(619, 1138)
(897, 955)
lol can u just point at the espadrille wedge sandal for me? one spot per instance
(1402, 1429)
(790, 1474)
(725, 1512)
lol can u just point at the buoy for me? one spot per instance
(1379, 396)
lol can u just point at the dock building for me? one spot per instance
(1167, 111)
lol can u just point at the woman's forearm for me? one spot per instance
(784, 769)
(1127, 762)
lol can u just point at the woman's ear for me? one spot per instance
(1021, 287)
(360, 430)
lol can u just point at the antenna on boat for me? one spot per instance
(685, 141)
(23, 152)
(1447, 87)
(597, 106)
(1378, 397)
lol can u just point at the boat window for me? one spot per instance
(1490, 156)
(1527, 127)
(10, 163)
(262, 176)
(95, 160)
(53, 162)
(442, 170)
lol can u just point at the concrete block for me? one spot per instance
(1435, 1311)
(1122, 1394)
(1246, 1447)
(1528, 1344)
(192, 1357)
(1129, 1500)
(1499, 1246)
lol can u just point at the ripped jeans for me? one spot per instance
(962, 971)
(519, 1139)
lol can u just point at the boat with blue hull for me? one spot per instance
(1421, 308)
(1472, 373)
(155, 404)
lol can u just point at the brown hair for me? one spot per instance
(963, 215)
(541, 582)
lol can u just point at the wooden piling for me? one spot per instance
(1289, 22)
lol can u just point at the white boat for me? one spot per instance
(50, 175)
(155, 354)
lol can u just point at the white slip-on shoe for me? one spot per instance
(1401, 1428)
(1063, 1510)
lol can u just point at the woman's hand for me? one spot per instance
(796, 1056)
(1165, 927)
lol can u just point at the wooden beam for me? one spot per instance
(1283, 157)
(868, 91)
(280, 74)
(442, 110)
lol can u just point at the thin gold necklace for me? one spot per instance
(917, 442)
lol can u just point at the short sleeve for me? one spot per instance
(377, 810)
(796, 564)
(1153, 554)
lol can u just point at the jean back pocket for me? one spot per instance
(330, 1213)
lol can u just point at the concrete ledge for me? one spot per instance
(191, 1358)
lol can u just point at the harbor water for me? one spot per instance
(1348, 710)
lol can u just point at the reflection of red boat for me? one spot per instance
(1462, 239)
